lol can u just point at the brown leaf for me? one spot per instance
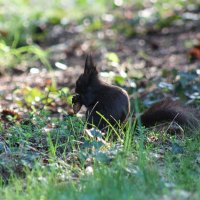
(195, 52)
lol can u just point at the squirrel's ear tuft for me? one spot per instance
(90, 68)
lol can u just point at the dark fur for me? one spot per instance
(113, 103)
(110, 101)
(170, 110)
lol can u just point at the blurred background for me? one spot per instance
(147, 45)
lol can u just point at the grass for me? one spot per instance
(65, 163)
(115, 182)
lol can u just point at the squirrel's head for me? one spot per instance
(87, 78)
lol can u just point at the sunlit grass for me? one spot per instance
(139, 173)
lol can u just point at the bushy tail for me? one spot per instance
(169, 110)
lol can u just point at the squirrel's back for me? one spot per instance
(112, 102)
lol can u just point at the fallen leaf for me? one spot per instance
(195, 52)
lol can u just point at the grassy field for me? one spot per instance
(56, 166)
(45, 151)
(66, 163)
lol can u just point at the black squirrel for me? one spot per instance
(109, 104)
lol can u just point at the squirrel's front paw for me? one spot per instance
(76, 101)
